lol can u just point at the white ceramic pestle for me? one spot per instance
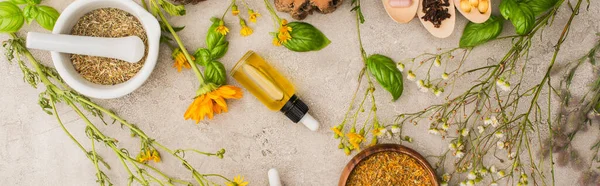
(130, 49)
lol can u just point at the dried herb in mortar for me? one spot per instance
(436, 11)
(389, 168)
(113, 23)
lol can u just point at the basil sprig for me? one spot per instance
(12, 17)
(385, 71)
(475, 34)
(216, 47)
(306, 37)
(541, 6)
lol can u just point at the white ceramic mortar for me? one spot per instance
(64, 66)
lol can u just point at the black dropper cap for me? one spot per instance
(294, 109)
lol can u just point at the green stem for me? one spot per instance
(181, 46)
(272, 11)
(227, 10)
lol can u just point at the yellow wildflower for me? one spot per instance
(276, 42)
(253, 15)
(222, 29)
(355, 139)
(180, 60)
(212, 102)
(238, 181)
(245, 31)
(378, 131)
(147, 155)
(337, 131)
(234, 10)
(283, 35)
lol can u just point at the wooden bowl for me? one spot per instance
(386, 148)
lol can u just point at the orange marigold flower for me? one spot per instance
(179, 60)
(222, 29)
(212, 102)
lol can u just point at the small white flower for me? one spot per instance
(395, 129)
(493, 169)
(411, 76)
(512, 155)
(460, 146)
(445, 126)
(438, 91)
(472, 175)
(501, 173)
(464, 132)
(480, 129)
(446, 177)
(434, 131)
(483, 171)
(401, 67)
(500, 144)
(463, 183)
(438, 62)
(470, 183)
(491, 121)
(459, 154)
(452, 146)
(487, 121)
(499, 134)
(494, 184)
(445, 76)
(503, 84)
(420, 83)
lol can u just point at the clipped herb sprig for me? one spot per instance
(350, 132)
(296, 36)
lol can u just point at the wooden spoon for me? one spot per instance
(401, 14)
(447, 26)
(475, 16)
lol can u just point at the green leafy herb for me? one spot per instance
(541, 6)
(216, 42)
(476, 34)
(47, 17)
(30, 12)
(358, 10)
(520, 14)
(11, 17)
(202, 56)
(173, 10)
(214, 72)
(306, 37)
(385, 71)
(35, 2)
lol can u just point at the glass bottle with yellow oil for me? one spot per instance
(272, 89)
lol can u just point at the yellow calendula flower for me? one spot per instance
(238, 181)
(276, 42)
(222, 29)
(155, 156)
(245, 31)
(179, 60)
(212, 102)
(234, 10)
(355, 139)
(337, 131)
(253, 15)
(378, 131)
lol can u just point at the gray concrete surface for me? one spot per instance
(35, 151)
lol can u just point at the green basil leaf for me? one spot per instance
(598, 108)
(306, 37)
(520, 15)
(11, 17)
(214, 72)
(476, 34)
(202, 56)
(216, 43)
(385, 71)
(541, 6)
(173, 10)
(18, 2)
(30, 12)
(47, 17)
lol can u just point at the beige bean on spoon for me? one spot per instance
(130, 49)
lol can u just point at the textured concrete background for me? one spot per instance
(35, 151)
